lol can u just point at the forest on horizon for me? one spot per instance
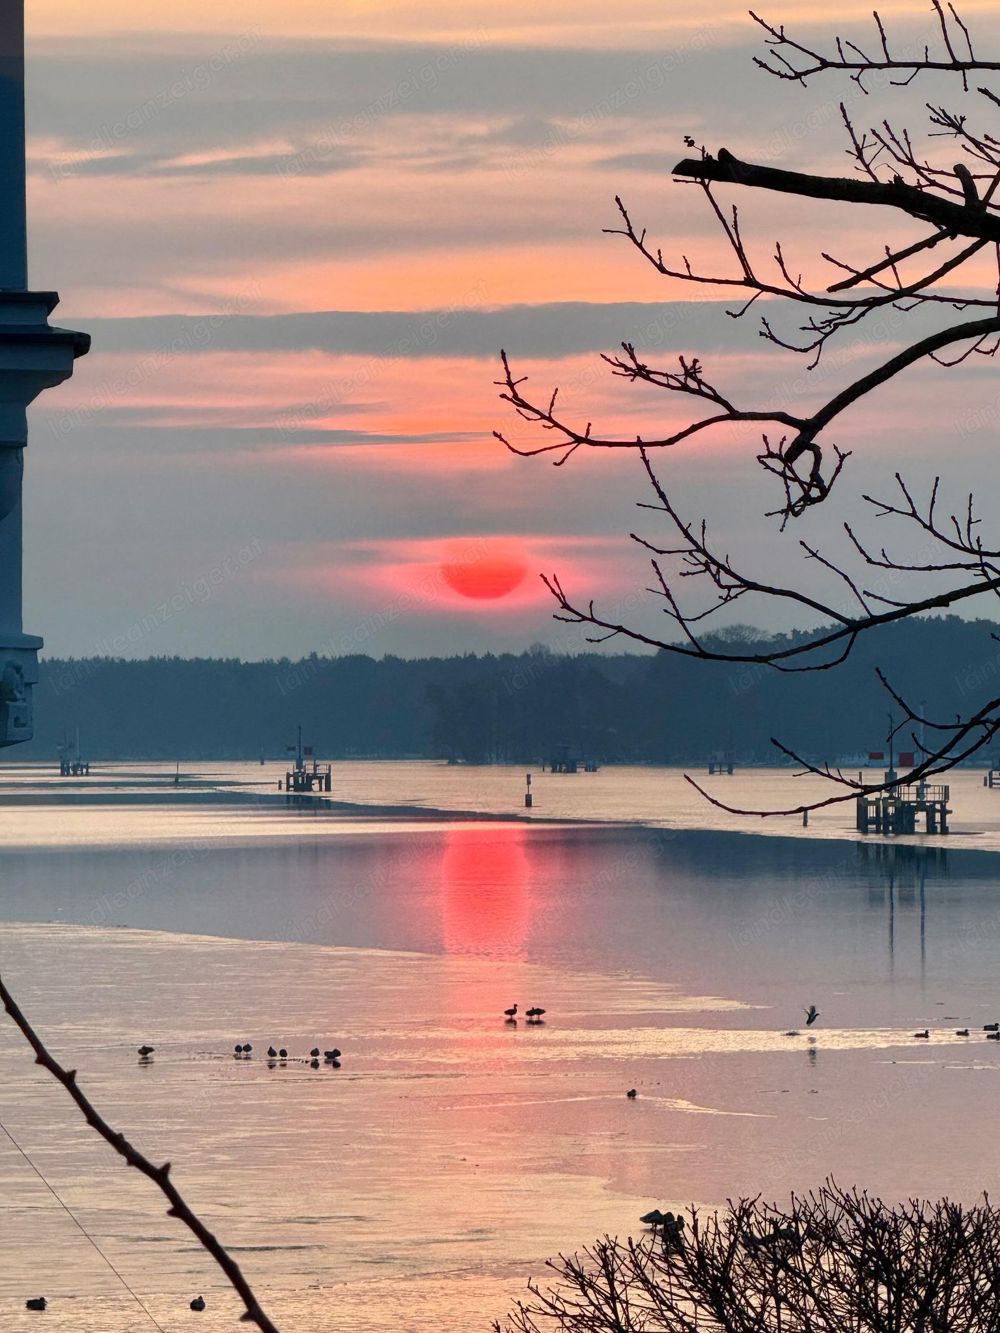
(629, 708)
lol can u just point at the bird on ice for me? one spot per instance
(673, 1227)
(198, 1303)
(36, 1303)
(812, 1013)
(511, 1014)
(631, 1095)
(925, 1033)
(146, 1051)
(534, 1015)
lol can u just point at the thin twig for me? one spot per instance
(159, 1175)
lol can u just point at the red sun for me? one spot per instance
(484, 574)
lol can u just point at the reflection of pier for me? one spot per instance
(907, 860)
(896, 809)
(898, 875)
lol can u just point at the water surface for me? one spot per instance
(421, 1184)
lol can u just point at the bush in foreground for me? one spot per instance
(832, 1261)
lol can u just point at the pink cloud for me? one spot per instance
(487, 574)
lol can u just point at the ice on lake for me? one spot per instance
(423, 1183)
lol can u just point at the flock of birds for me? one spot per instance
(672, 1227)
(992, 1030)
(533, 1015)
(244, 1051)
(241, 1051)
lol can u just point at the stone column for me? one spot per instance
(33, 356)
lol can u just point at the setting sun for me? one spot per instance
(484, 572)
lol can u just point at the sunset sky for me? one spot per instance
(299, 234)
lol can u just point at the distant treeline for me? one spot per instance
(649, 709)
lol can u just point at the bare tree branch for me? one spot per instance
(954, 562)
(951, 217)
(794, 60)
(159, 1175)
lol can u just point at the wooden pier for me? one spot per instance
(305, 778)
(564, 761)
(71, 761)
(299, 781)
(895, 810)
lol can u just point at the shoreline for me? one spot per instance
(249, 815)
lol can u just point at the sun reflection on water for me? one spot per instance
(486, 903)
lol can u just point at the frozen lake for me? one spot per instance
(143, 805)
(423, 1183)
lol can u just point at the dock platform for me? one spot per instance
(895, 810)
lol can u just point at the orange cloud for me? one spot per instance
(591, 22)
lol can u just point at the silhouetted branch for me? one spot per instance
(956, 219)
(728, 583)
(159, 1175)
(957, 205)
(963, 738)
(794, 60)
